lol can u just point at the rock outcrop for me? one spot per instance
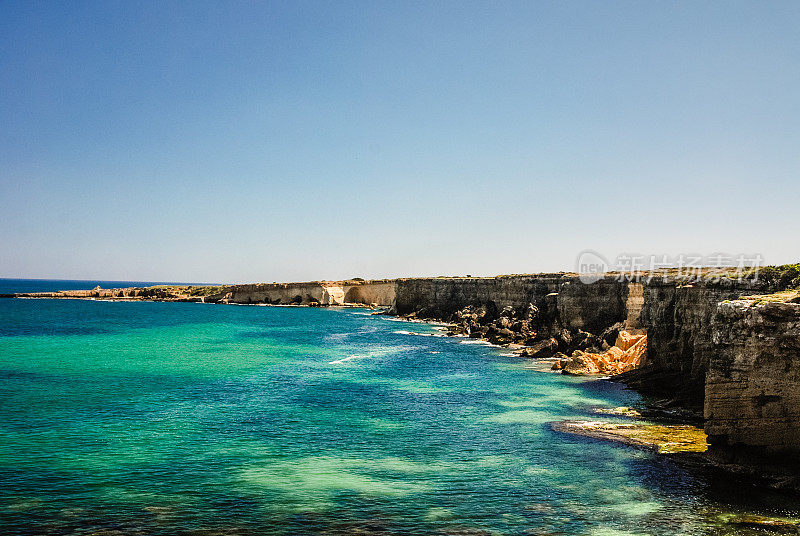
(561, 297)
(702, 344)
(545, 314)
(752, 395)
(628, 353)
(677, 318)
(664, 439)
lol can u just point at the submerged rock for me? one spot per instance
(766, 524)
(665, 439)
(623, 411)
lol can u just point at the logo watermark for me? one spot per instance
(592, 266)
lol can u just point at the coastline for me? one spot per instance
(673, 433)
(693, 331)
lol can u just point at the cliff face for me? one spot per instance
(379, 292)
(740, 359)
(677, 318)
(752, 395)
(559, 298)
(441, 297)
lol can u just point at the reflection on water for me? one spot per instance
(171, 418)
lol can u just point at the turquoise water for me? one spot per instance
(185, 418)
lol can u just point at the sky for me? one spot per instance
(289, 141)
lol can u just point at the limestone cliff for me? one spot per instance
(741, 358)
(560, 298)
(752, 395)
(677, 318)
(379, 292)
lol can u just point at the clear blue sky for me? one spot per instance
(226, 141)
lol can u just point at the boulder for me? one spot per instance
(579, 365)
(541, 349)
(615, 360)
(626, 340)
(532, 312)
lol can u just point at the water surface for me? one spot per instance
(186, 418)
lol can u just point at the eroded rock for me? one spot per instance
(629, 352)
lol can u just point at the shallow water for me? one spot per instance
(184, 418)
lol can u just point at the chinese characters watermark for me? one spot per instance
(591, 266)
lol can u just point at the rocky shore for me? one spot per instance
(722, 351)
(533, 335)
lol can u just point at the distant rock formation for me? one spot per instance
(377, 292)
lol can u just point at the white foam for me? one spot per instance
(404, 332)
(345, 359)
(335, 337)
(379, 352)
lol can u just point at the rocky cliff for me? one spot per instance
(752, 394)
(561, 299)
(677, 317)
(379, 292)
(558, 313)
(740, 358)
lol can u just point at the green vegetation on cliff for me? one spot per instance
(205, 290)
(782, 277)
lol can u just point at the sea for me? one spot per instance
(149, 418)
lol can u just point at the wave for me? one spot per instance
(404, 332)
(336, 337)
(378, 352)
(345, 359)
